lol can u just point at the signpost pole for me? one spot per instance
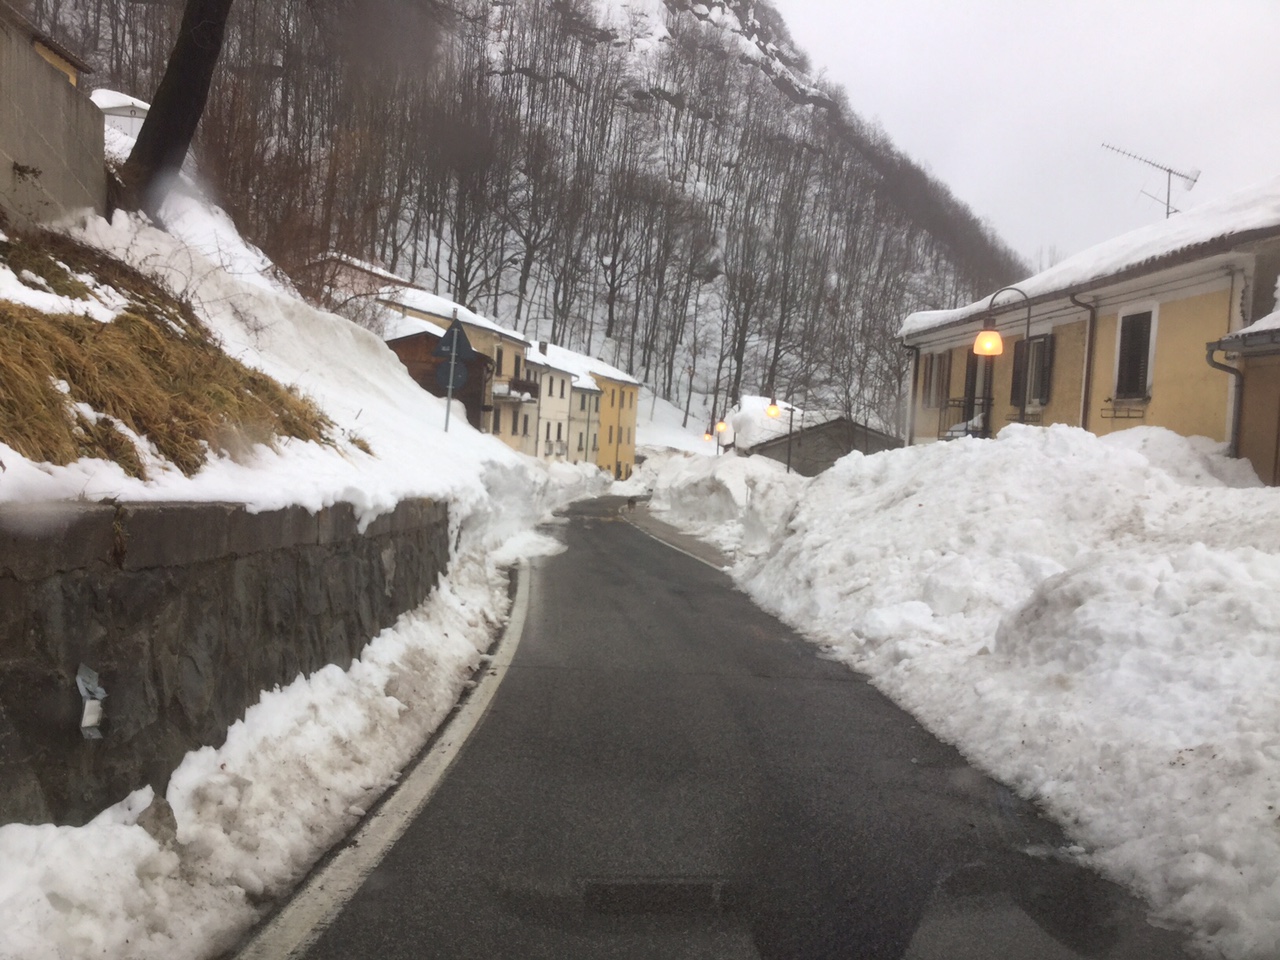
(453, 360)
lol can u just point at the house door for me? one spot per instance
(977, 394)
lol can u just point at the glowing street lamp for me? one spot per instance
(988, 344)
(773, 410)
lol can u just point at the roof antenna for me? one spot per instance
(1188, 178)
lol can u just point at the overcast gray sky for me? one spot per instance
(1008, 101)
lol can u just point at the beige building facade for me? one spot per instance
(1125, 345)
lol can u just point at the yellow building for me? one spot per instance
(617, 425)
(602, 411)
(510, 401)
(1113, 337)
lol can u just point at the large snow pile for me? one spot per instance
(1096, 621)
(248, 819)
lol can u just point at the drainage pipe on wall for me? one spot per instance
(911, 401)
(1090, 338)
(1233, 448)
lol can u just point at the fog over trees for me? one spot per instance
(692, 210)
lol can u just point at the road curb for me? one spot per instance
(293, 929)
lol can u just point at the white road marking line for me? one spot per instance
(668, 543)
(315, 905)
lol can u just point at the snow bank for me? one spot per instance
(1093, 620)
(249, 818)
(183, 879)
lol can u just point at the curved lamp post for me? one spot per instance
(989, 344)
(775, 411)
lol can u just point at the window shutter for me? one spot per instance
(1046, 368)
(1135, 342)
(970, 385)
(1018, 390)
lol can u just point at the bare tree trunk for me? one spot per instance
(175, 112)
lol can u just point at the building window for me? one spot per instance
(526, 425)
(548, 430)
(1041, 367)
(611, 397)
(562, 388)
(632, 400)
(497, 359)
(597, 404)
(935, 375)
(595, 441)
(611, 434)
(1133, 364)
(582, 440)
(515, 422)
(559, 435)
(515, 362)
(582, 402)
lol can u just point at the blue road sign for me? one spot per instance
(459, 376)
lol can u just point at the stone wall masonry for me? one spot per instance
(51, 139)
(187, 612)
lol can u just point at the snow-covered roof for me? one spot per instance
(35, 34)
(365, 266)
(113, 101)
(581, 366)
(1211, 228)
(398, 325)
(444, 308)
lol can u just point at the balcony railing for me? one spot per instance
(952, 422)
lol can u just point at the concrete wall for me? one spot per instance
(187, 612)
(815, 449)
(50, 138)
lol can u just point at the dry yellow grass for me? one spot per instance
(155, 369)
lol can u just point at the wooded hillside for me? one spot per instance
(658, 184)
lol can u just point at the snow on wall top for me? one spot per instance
(424, 302)
(106, 100)
(1254, 208)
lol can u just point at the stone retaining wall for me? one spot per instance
(187, 612)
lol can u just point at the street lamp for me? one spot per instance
(989, 344)
(774, 411)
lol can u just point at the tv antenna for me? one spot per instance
(1169, 173)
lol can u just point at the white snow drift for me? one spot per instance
(1095, 621)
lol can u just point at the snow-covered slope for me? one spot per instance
(1095, 621)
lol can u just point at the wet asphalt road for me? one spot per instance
(668, 772)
